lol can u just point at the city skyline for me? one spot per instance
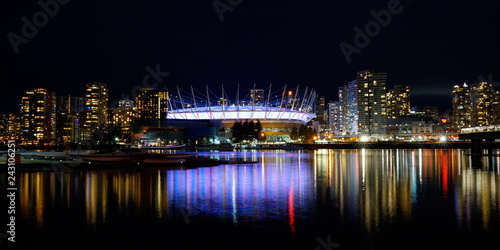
(429, 47)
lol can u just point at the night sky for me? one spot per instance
(429, 45)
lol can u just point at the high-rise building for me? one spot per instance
(9, 127)
(257, 97)
(38, 118)
(362, 105)
(95, 116)
(372, 102)
(348, 109)
(334, 117)
(398, 102)
(482, 99)
(121, 120)
(476, 105)
(321, 109)
(67, 128)
(151, 103)
(70, 104)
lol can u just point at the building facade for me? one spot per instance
(398, 101)
(475, 105)
(334, 118)
(151, 103)
(67, 123)
(95, 117)
(38, 118)
(371, 98)
(121, 120)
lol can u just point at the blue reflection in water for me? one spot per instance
(279, 188)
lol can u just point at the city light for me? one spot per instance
(442, 138)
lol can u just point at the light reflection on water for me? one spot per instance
(287, 191)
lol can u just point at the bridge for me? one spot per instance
(480, 135)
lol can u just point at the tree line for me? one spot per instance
(250, 130)
(247, 130)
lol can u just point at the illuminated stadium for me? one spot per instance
(277, 110)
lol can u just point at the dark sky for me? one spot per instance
(430, 45)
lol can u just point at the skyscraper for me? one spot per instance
(476, 105)
(38, 118)
(334, 117)
(10, 127)
(483, 97)
(121, 119)
(67, 128)
(398, 101)
(321, 109)
(362, 104)
(371, 100)
(348, 100)
(151, 103)
(95, 116)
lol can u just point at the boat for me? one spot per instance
(292, 146)
(117, 156)
(225, 147)
(134, 156)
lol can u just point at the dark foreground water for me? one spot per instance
(322, 199)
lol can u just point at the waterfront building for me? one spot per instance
(334, 118)
(321, 109)
(38, 118)
(67, 123)
(278, 111)
(461, 106)
(411, 128)
(363, 105)
(398, 101)
(482, 99)
(348, 108)
(151, 103)
(343, 105)
(10, 127)
(476, 104)
(95, 117)
(371, 102)
(121, 121)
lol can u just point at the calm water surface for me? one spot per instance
(321, 199)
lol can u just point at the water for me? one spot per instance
(321, 199)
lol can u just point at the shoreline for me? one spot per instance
(397, 145)
(337, 145)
